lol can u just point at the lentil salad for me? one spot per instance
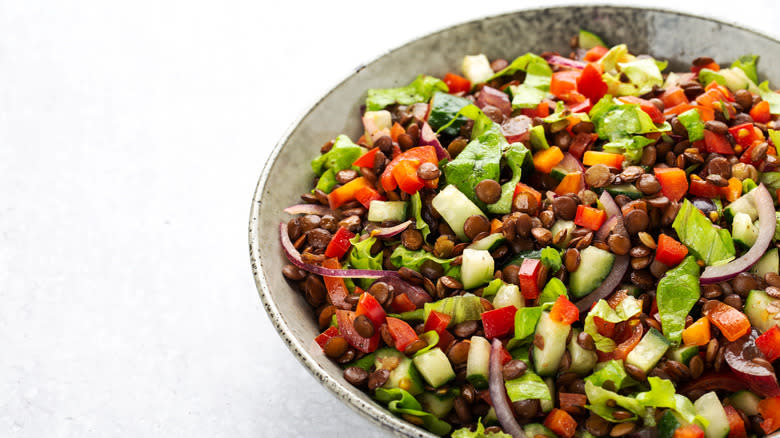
(596, 219)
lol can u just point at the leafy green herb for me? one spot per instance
(445, 114)
(620, 124)
(537, 80)
(692, 122)
(703, 239)
(527, 386)
(677, 292)
(516, 156)
(339, 157)
(360, 258)
(419, 90)
(625, 310)
(420, 224)
(770, 96)
(401, 402)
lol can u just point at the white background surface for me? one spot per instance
(131, 138)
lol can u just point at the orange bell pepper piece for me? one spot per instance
(571, 183)
(697, 333)
(732, 323)
(347, 192)
(591, 158)
(734, 190)
(670, 252)
(674, 182)
(546, 159)
(760, 112)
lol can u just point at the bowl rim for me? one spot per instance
(376, 415)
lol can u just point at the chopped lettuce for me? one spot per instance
(341, 156)
(402, 256)
(401, 402)
(662, 395)
(479, 160)
(420, 224)
(419, 90)
(526, 319)
(551, 257)
(616, 54)
(612, 371)
(528, 386)
(625, 310)
(705, 241)
(465, 432)
(360, 258)
(461, 308)
(631, 147)
(677, 292)
(538, 75)
(598, 398)
(492, 288)
(747, 63)
(620, 123)
(693, 124)
(552, 290)
(643, 74)
(770, 96)
(516, 155)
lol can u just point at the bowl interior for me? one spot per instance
(666, 35)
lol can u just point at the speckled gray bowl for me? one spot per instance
(663, 34)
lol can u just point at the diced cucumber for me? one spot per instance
(488, 241)
(380, 211)
(436, 405)
(435, 367)
(478, 363)
(455, 208)
(476, 68)
(533, 430)
(554, 334)
(629, 190)
(548, 405)
(595, 266)
(683, 353)
(559, 225)
(743, 231)
(588, 40)
(403, 373)
(508, 295)
(648, 351)
(768, 263)
(538, 138)
(743, 204)
(558, 172)
(477, 268)
(582, 360)
(757, 309)
(709, 407)
(745, 401)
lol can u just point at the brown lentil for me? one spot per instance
(696, 366)
(356, 376)
(381, 291)
(744, 98)
(364, 326)
(415, 346)
(465, 329)
(772, 279)
(459, 353)
(475, 225)
(564, 207)
(335, 347)
(621, 429)
(619, 244)
(378, 378)
(773, 291)
(412, 239)
(571, 259)
(635, 372)
(513, 369)
(597, 425)
(712, 350)
(585, 341)
(428, 171)
(294, 273)
(542, 235)
(647, 240)
(488, 191)
(598, 176)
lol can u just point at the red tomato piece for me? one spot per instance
(595, 53)
(367, 159)
(700, 187)
(369, 306)
(744, 134)
(401, 303)
(339, 244)
(717, 143)
(437, 321)
(736, 424)
(347, 329)
(499, 322)
(590, 83)
(337, 289)
(674, 183)
(645, 105)
(367, 194)
(323, 337)
(560, 422)
(563, 85)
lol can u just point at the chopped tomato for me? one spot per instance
(323, 337)
(456, 83)
(347, 329)
(769, 409)
(369, 306)
(546, 159)
(590, 217)
(402, 333)
(645, 105)
(595, 53)
(528, 276)
(670, 252)
(590, 83)
(564, 311)
(717, 143)
(697, 333)
(595, 157)
(674, 183)
(673, 96)
(337, 289)
(732, 323)
(561, 423)
(745, 134)
(689, 431)
(499, 322)
(769, 343)
(339, 244)
(367, 194)
(405, 174)
(736, 424)
(367, 159)
(760, 112)
(523, 188)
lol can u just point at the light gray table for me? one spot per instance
(131, 137)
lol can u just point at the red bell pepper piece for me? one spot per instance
(590, 217)
(323, 337)
(732, 323)
(499, 322)
(456, 83)
(437, 321)
(418, 155)
(369, 306)
(760, 112)
(670, 252)
(367, 194)
(401, 303)
(582, 107)
(712, 66)
(563, 85)
(523, 188)
(674, 183)
(717, 143)
(689, 431)
(769, 409)
(595, 53)
(339, 244)
(634, 332)
(700, 187)
(347, 329)
(337, 289)
(736, 424)
(405, 174)
(769, 343)
(346, 193)
(560, 422)
(645, 105)
(402, 333)
(528, 277)
(590, 84)
(744, 134)
(367, 159)
(673, 96)
(564, 311)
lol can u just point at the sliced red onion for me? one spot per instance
(610, 206)
(608, 286)
(498, 395)
(390, 231)
(517, 129)
(565, 62)
(419, 111)
(416, 294)
(319, 210)
(726, 381)
(497, 98)
(570, 164)
(295, 258)
(766, 230)
(429, 138)
(603, 233)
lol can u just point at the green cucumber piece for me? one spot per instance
(478, 363)
(403, 373)
(548, 405)
(533, 430)
(461, 308)
(559, 225)
(588, 40)
(683, 353)
(435, 367)
(582, 360)
(558, 172)
(757, 309)
(743, 204)
(538, 138)
(436, 405)
(554, 334)
(488, 242)
(476, 68)
(595, 267)
(648, 351)
(508, 295)
(745, 401)
(768, 263)
(455, 208)
(629, 190)
(743, 231)
(380, 211)
(709, 407)
(477, 268)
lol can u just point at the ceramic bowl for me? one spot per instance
(663, 34)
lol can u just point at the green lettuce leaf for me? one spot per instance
(632, 147)
(551, 257)
(537, 71)
(527, 386)
(360, 258)
(526, 319)
(703, 239)
(663, 395)
(492, 288)
(620, 123)
(626, 309)
(643, 74)
(517, 156)
(461, 308)
(677, 292)
(402, 256)
(552, 290)
(770, 96)
(419, 90)
(692, 122)
(479, 160)
(598, 398)
(420, 224)
(747, 63)
(341, 156)
(610, 59)
(402, 402)
(465, 432)
(612, 371)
